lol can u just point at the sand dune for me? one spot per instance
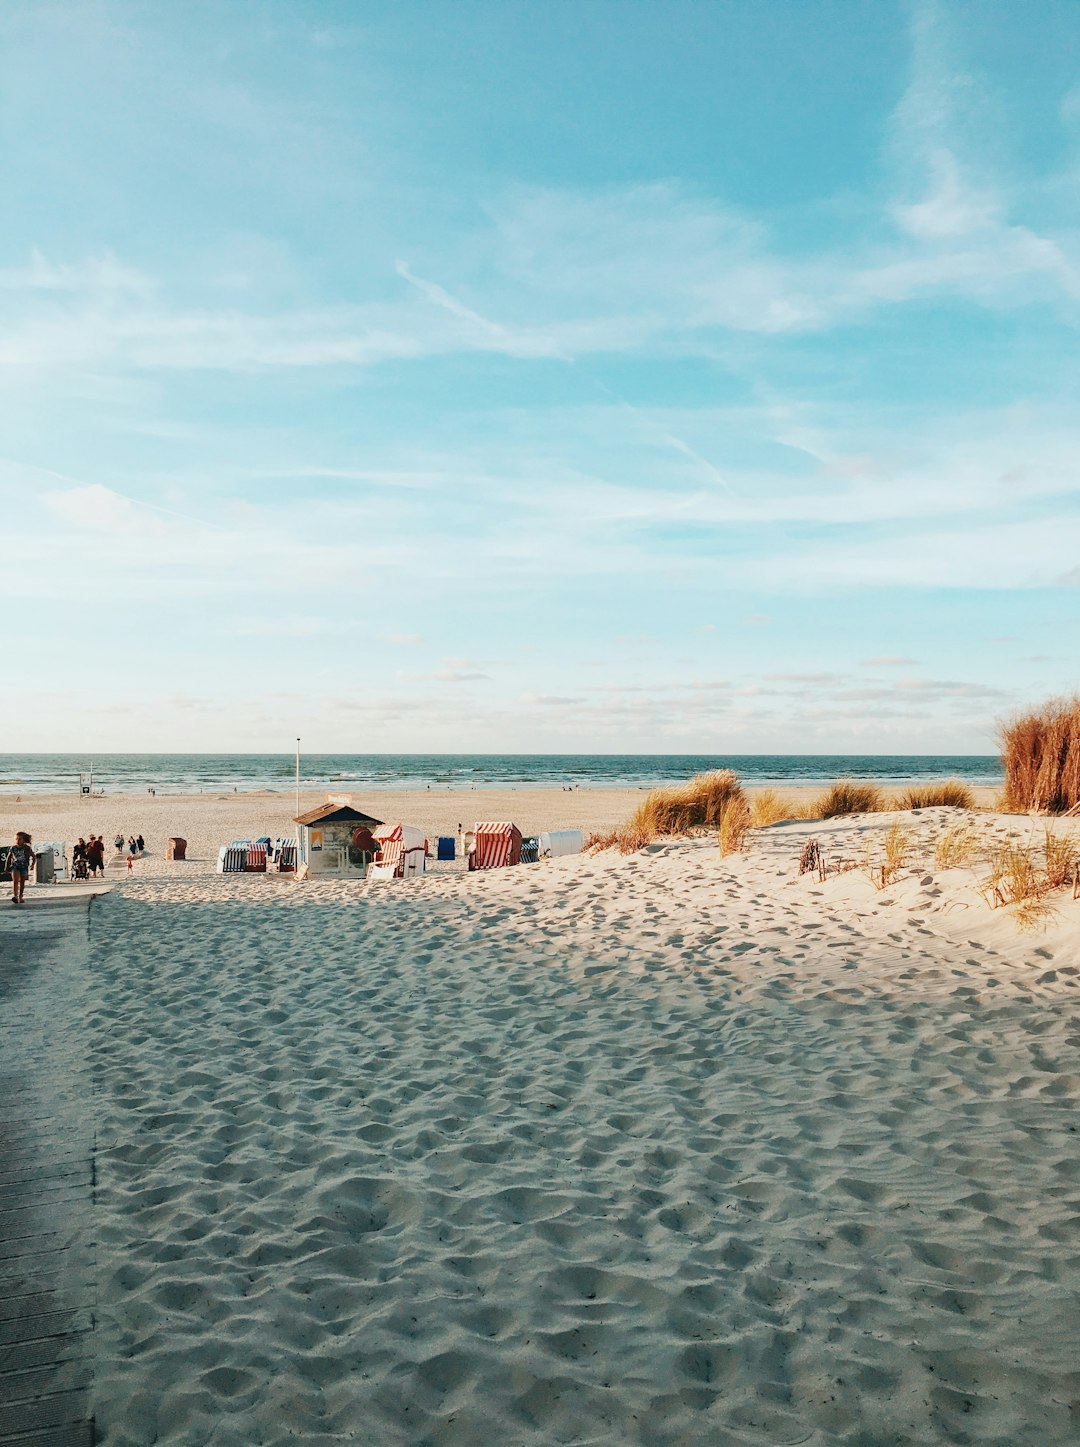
(666, 1149)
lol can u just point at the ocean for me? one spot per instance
(224, 773)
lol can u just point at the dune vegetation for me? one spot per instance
(848, 796)
(770, 806)
(950, 793)
(1040, 751)
(1026, 876)
(703, 803)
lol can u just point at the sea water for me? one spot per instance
(226, 773)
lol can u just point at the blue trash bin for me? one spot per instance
(445, 847)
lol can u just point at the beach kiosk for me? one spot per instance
(324, 840)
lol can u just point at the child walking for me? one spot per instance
(20, 861)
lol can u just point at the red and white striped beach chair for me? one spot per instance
(497, 845)
(390, 856)
(402, 852)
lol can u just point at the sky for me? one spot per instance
(472, 376)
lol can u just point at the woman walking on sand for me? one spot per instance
(20, 860)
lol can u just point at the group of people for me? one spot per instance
(88, 855)
(88, 858)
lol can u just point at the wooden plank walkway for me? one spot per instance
(46, 1182)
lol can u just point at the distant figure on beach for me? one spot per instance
(21, 857)
(79, 852)
(131, 845)
(141, 842)
(95, 855)
(119, 842)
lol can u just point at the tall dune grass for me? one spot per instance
(703, 803)
(770, 806)
(847, 796)
(1041, 754)
(953, 793)
(734, 826)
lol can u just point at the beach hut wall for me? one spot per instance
(556, 842)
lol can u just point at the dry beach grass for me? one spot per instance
(1041, 754)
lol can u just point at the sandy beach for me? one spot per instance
(666, 1148)
(209, 820)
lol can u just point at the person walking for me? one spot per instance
(131, 846)
(95, 855)
(119, 843)
(21, 859)
(140, 843)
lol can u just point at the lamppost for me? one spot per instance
(298, 776)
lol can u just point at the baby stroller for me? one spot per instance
(79, 867)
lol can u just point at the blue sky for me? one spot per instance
(617, 376)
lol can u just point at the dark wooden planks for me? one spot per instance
(46, 1188)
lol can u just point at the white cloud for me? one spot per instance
(99, 276)
(95, 508)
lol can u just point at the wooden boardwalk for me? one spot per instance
(46, 1181)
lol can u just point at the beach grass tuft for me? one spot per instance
(703, 803)
(847, 796)
(950, 793)
(625, 839)
(1041, 754)
(770, 806)
(1024, 877)
(956, 847)
(734, 826)
(897, 852)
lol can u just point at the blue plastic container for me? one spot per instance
(445, 847)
